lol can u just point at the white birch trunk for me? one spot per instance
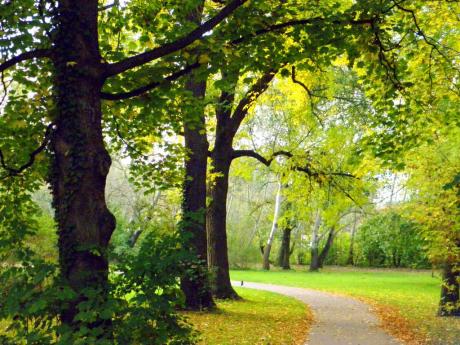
(266, 263)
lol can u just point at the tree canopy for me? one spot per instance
(197, 97)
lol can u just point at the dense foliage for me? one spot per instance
(389, 240)
(323, 96)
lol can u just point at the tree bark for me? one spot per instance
(195, 284)
(268, 247)
(221, 160)
(285, 249)
(217, 221)
(229, 118)
(450, 294)
(323, 255)
(80, 162)
(314, 261)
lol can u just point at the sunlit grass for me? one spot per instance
(260, 318)
(414, 294)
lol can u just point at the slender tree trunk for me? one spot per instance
(80, 162)
(450, 294)
(268, 247)
(195, 284)
(327, 247)
(351, 259)
(285, 249)
(217, 222)
(393, 186)
(314, 261)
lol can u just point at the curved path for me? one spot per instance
(338, 320)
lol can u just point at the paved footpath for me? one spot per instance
(337, 320)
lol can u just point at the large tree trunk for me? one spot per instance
(195, 284)
(285, 249)
(217, 222)
(314, 261)
(268, 247)
(450, 294)
(80, 162)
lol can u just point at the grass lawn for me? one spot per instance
(261, 318)
(414, 294)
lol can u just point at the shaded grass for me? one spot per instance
(261, 318)
(414, 294)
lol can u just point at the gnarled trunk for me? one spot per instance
(80, 162)
(217, 222)
(450, 294)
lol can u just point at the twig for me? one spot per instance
(16, 171)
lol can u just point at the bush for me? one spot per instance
(143, 300)
(338, 254)
(389, 240)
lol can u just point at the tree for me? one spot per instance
(79, 160)
(429, 94)
(433, 204)
(323, 50)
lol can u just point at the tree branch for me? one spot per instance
(143, 89)
(227, 96)
(310, 95)
(16, 171)
(143, 58)
(106, 7)
(256, 90)
(252, 154)
(285, 25)
(419, 30)
(390, 67)
(37, 53)
(346, 194)
(305, 169)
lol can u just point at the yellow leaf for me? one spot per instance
(204, 59)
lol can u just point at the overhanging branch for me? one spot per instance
(197, 34)
(297, 22)
(252, 154)
(305, 169)
(143, 89)
(33, 54)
